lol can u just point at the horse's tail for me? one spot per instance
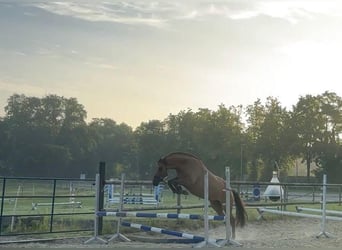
(241, 214)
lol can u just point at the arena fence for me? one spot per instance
(44, 205)
(52, 205)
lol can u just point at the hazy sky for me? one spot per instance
(138, 60)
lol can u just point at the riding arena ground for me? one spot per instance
(281, 232)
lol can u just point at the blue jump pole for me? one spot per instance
(195, 238)
(160, 215)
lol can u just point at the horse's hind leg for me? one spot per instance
(220, 210)
(232, 224)
(217, 206)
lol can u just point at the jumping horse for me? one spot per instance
(190, 171)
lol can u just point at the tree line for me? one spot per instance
(49, 137)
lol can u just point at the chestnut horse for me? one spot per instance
(190, 172)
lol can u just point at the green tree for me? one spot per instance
(255, 118)
(211, 135)
(331, 109)
(317, 121)
(329, 161)
(266, 135)
(49, 136)
(5, 168)
(326, 148)
(37, 125)
(180, 130)
(112, 143)
(218, 136)
(150, 141)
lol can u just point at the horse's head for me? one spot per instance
(161, 174)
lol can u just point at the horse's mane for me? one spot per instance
(181, 153)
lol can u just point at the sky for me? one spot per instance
(138, 60)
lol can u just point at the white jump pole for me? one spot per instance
(206, 207)
(262, 210)
(228, 240)
(331, 212)
(118, 235)
(96, 220)
(228, 225)
(324, 202)
(206, 241)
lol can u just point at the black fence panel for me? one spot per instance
(46, 205)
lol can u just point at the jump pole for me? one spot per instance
(228, 240)
(160, 215)
(169, 232)
(96, 220)
(262, 210)
(324, 202)
(118, 235)
(206, 242)
(332, 212)
(206, 207)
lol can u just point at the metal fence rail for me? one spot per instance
(21, 214)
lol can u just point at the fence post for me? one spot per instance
(102, 172)
(2, 203)
(285, 198)
(53, 204)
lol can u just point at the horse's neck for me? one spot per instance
(187, 167)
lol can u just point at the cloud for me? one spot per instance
(159, 14)
(100, 63)
(44, 51)
(107, 66)
(244, 14)
(120, 12)
(27, 13)
(19, 53)
(292, 11)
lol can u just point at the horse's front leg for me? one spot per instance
(172, 186)
(175, 187)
